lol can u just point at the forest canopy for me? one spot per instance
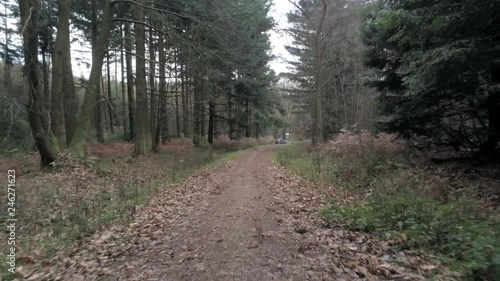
(428, 71)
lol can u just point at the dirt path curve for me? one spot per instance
(246, 220)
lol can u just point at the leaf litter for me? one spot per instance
(248, 219)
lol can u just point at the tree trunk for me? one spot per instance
(80, 137)
(202, 107)
(130, 81)
(118, 122)
(162, 92)
(211, 119)
(177, 117)
(7, 78)
(68, 87)
(197, 110)
(152, 94)
(165, 130)
(216, 134)
(99, 113)
(142, 126)
(57, 124)
(491, 146)
(255, 127)
(30, 12)
(105, 105)
(185, 103)
(70, 99)
(99, 106)
(248, 113)
(45, 98)
(110, 103)
(190, 105)
(318, 94)
(124, 94)
(46, 48)
(230, 116)
(237, 121)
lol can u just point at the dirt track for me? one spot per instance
(246, 220)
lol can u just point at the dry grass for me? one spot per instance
(29, 163)
(78, 197)
(110, 150)
(348, 143)
(363, 161)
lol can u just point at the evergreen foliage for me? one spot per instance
(211, 56)
(439, 70)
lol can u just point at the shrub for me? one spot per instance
(227, 145)
(456, 231)
(15, 137)
(400, 202)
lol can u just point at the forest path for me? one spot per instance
(245, 220)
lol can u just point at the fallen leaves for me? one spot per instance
(353, 255)
(165, 236)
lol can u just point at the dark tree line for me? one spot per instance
(435, 66)
(194, 69)
(327, 86)
(439, 71)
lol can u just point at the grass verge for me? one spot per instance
(396, 200)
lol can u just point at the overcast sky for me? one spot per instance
(280, 39)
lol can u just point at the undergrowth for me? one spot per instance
(398, 201)
(60, 207)
(227, 145)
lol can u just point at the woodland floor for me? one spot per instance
(248, 219)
